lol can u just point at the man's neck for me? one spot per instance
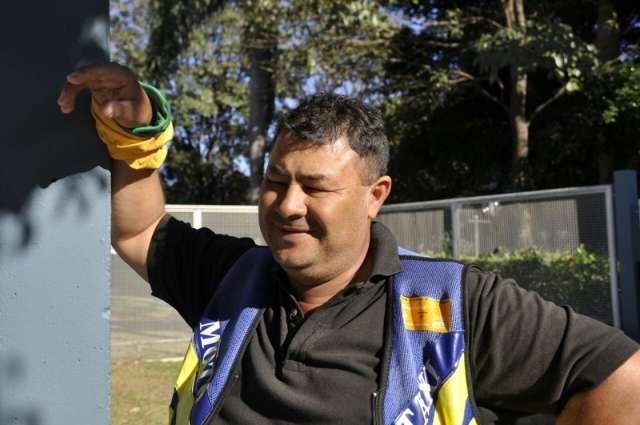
(312, 296)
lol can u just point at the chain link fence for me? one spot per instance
(558, 242)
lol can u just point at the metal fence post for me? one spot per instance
(613, 259)
(627, 248)
(197, 218)
(455, 230)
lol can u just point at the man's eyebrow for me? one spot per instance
(314, 177)
(276, 169)
(273, 168)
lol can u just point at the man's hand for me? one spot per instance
(115, 89)
(137, 201)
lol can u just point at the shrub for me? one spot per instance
(579, 279)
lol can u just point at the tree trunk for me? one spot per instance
(515, 19)
(262, 57)
(608, 44)
(520, 132)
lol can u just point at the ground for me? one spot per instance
(141, 391)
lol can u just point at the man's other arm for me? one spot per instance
(531, 356)
(616, 401)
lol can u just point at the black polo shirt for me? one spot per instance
(526, 354)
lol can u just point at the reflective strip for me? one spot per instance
(453, 397)
(426, 314)
(183, 391)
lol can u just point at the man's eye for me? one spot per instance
(309, 189)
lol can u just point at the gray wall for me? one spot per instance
(54, 221)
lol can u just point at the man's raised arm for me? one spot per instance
(136, 194)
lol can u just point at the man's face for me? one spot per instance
(315, 209)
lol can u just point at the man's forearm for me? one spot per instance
(137, 205)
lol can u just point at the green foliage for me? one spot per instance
(200, 69)
(447, 85)
(603, 117)
(172, 25)
(547, 45)
(439, 69)
(129, 33)
(194, 180)
(579, 279)
(199, 53)
(617, 91)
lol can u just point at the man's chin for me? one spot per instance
(291, 261)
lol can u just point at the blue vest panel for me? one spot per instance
(427, 381)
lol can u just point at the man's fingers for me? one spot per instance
(102, 95)
(67, 98)
(115, 89)
(101, 74)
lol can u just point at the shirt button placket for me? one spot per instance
(294, 317)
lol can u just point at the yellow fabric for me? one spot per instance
(452, 398)
(138, 152)
(426, 314)
(184, 388)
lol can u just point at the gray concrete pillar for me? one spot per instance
(54, 221)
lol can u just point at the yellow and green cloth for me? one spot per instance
(140, 147)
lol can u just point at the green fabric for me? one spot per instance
(161, 113)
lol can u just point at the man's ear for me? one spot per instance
(378, 193)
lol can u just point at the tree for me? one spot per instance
(497, 47)
(608, 41)
(480, 96)
(261, 39)
(260, 51)
(203, 91)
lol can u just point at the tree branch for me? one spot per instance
(493, 98)
(465, 20)
(509, 16)
(546, 103)
(610, 62)
(465, 76)
(477, 19)
(438, 43)
(520, 16)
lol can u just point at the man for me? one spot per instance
(333, 323)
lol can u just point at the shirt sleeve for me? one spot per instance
(528, 355)
(185, 265)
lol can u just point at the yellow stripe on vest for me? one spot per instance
(452, 398)
(184, 388)
(426, 314)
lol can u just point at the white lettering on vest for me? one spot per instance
(421, 403)
(424, 409)
(209, 330)
(423, 383)
(209, 341)
(404, 418)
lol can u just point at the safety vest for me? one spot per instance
(425, 376)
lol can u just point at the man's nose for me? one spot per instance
(292, 203)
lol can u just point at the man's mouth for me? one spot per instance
(293, 229)
(292, 233)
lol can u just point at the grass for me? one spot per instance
(141, 391)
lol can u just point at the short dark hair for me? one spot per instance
(323, 118)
